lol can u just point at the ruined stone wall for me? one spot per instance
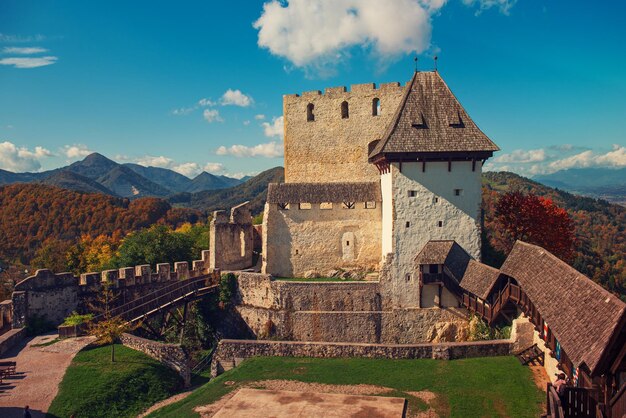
(6, 315)
(298, 241)
(231, 240)
(331, 148)
(172, 355)
(54, 296)
(231, 353)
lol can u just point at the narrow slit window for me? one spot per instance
(458, 192)
(376, 107)
(408, 277)
(310, 116)
(436, 200)
(408, 224)
(440, 224)
(412, 193)
(344, 110)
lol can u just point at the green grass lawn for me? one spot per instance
(95, 387)
(479, 387)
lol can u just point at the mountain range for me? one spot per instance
(605, 183)
(98, 174)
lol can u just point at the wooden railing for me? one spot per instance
(617, 405)
(553, 403)
(163, 297)
(575, 403)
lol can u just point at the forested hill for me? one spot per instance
(600, 227)
(34, 213)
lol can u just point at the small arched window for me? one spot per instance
(344, 110)
(310, 117)
(376, 107)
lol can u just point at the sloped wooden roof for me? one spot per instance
(430, 119)
(479, 278)
(323, 192)
(446, 252)
(582, 315)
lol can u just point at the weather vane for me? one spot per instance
(415, 59)
(435, 58)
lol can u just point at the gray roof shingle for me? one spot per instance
(323, 192)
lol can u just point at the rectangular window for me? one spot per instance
(305, 206)
(408, 224)
(412, 193)
(436, 200)
(440, 224)
(326, 205)
(370, 205)
(408, 277)
(458, 192)
(283, 206)
(348, 205)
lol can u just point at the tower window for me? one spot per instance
(283, 206)
(412, 193)
(408, 224)
(440, 224)
(305, 206)
(348, 205)
(310, 117)
(436, 200)
(344, 110)
(376, 107)
(458, 192)
(370, 205)
(407, 277)
(326, 205)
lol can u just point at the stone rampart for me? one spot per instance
(54, 296)
(6, 316)
(11, 338)
(231, 240)
(172, 355)
(230, 353)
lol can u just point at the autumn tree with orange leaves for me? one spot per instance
(536, 220)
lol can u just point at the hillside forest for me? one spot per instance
(43, 226)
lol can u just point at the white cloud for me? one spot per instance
(276, 128)
(212, 115)
(259, 117)
(18, 39)
(206, 102)
(20, 159)
(181, 111)
(246, 122)
(154, 161)
(76, 151)
(28, 62)
(214, 167)
(315, 32)
(503, 5)
(235, 98)
(23, 50)
(522, 156)
(267, 150)
(241, 174)
(614, 158)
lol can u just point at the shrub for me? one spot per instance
(76, 319)
(227, 289)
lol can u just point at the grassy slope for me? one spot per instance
(95, 387)
(481, 387)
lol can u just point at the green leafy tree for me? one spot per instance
(157, 244)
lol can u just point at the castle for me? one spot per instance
(371, 175)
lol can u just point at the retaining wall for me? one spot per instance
(231, 353)
(172, 355)
(10, 338)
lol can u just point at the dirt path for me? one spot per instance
(39, 372)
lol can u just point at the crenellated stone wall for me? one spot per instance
(332, 146)
(231, 353)
(54, 296)
(231, 240)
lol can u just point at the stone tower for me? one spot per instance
(430, 160)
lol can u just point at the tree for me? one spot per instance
(157, 244)
(536, 220)
(51, 255)
(105, 327)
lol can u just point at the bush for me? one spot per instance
(227, 289)
(76, 319)
(480, 331)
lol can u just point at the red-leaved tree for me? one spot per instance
(536, 220)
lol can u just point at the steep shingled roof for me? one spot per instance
(446, 252)
(582, 315)
(430, 119)
(479, 279)
(323, 192)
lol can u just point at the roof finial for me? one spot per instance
(415, 59)
(435, 58)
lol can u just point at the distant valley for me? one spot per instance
(603, 183)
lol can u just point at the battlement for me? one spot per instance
(364, 88)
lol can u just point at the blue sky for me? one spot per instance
(199, 85)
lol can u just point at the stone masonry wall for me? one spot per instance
(331, 146)
(231, 240)
(231, 353)
(340, 312)
(55, 296)
(298, 241)
(172, 355)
